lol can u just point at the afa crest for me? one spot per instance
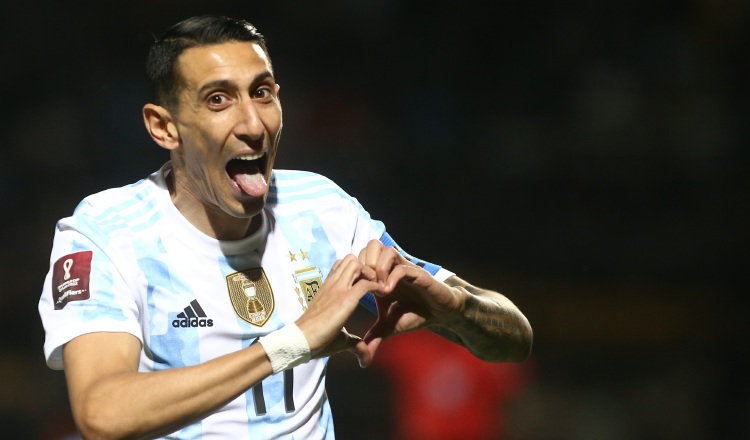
(251, 295)
(308, 282)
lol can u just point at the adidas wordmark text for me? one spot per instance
(193, 316)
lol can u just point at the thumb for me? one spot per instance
(378, 332)
(345, 341)
(385, 325)
(355, 345)
(365, 351)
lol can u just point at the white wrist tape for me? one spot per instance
(286, 347)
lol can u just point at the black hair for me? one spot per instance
(204, 30)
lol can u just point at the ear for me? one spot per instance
(159, 125)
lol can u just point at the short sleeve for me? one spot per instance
(84, 292)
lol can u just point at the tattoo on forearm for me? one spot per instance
(490, 329)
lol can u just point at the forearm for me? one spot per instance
(145, 405)
(488, 324)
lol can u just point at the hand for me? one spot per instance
(410, 297)
(323, 321)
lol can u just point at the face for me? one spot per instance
(228, 123)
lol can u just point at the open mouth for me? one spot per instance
(248, 172)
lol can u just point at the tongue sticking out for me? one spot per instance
(252, 184)
(248, 177)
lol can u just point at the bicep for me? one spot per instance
(92, 357)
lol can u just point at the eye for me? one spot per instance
(217, 100)
(263, 93)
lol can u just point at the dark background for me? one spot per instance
(585, 158)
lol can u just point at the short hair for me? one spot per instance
(161, 66)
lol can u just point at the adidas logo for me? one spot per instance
(193, 316)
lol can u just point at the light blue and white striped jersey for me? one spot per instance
(128, 261)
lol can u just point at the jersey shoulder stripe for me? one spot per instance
(291, 185)
(129, 208)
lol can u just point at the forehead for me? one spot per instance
(230, 61)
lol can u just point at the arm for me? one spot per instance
(111, 399)
(485, 322)
(488, 324)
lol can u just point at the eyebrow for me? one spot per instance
(225, 83)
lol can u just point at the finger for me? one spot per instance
(363, 255)
(409, 273)
(339, 342)
(368, 273)
(370, 254)
(385, 326)
(388, 258)
(351, 270)
(344, 268)
(365, 352)
(345, 341)
(334, 268)
(381, 330)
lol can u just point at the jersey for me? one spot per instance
(128, 261)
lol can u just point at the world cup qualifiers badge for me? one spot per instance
(70, 278)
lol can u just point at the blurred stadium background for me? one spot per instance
(586, 158)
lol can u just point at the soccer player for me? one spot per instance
(203, 301)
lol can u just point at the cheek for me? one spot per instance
(207, 147)
(272, 120)
(198, 162)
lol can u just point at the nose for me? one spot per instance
(250, 124)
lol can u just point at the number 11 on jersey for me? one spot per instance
(260, 401)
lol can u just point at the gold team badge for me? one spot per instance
(251, 295)
(308, 282)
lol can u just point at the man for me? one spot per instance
(203, 301)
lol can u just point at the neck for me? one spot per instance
(210, 220)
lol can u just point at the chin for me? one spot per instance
(250, 208)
